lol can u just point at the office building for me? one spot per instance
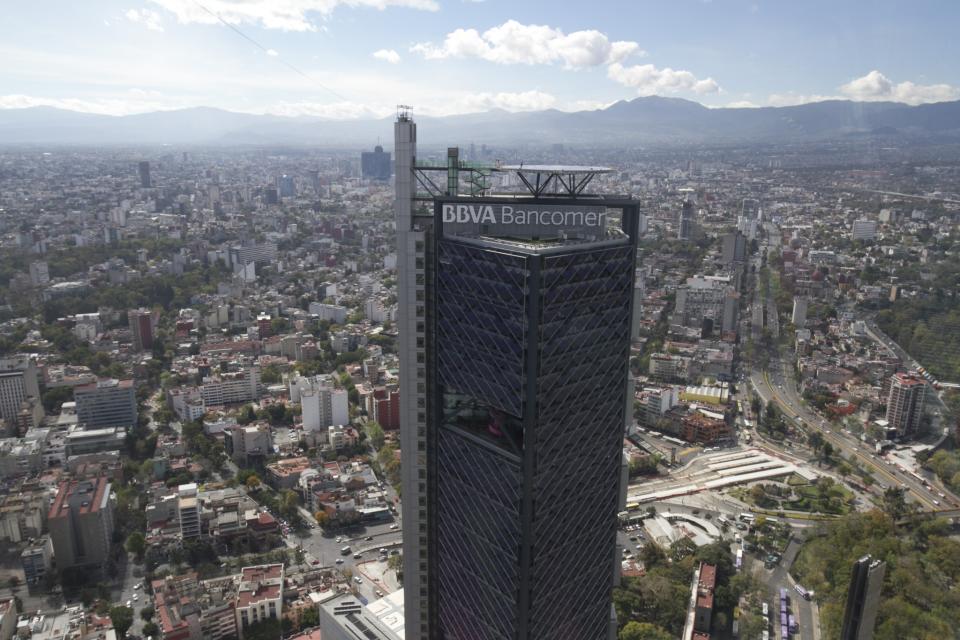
(864, 230)
(322, 404)
(39, 273)
(18, 381)
(376, 165)
(686, 221)
(144, 169)
(106, 403)
(712, 298)
(231, 388)
(514, 340)
(733, 248)
(188, 509)
(143, 325)
(259, 595)
(331, 312)
(905, 403)
(344, 617)
(36, 560)
(286, 187)
(799, 316)
(863, 599)
(246, 444)
(265, 252)
(81, 523)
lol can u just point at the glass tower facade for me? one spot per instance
(530, 353)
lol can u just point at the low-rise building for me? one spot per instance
(259, 595)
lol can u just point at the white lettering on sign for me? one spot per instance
(464, 213)
(508, 215)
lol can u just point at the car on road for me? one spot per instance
(394, 526)
(314, 562)
(339, 560)
(357, 556)
(368, 538)
(378, 593)
(339, 538)
(358, 580)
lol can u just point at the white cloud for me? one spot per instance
(387, 55)
(741, 104)
(791, 99)
(146, 17)
(286, 15)
(648, 79)
(272, 53)
(133, 101)
(516, 43)
(330, 110)
(876, 86)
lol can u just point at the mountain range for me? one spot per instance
(644, 120)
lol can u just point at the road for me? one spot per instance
(778, 386)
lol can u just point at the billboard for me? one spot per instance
(523, 220)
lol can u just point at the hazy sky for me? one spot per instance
(355, 58)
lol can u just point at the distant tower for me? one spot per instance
(144, 168)
(799, 317)
(375, 165)
(863, 599)
(286, 187)
(685, 222)
(143, 322)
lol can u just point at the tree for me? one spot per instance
(827, 451)
(375, 433)
(815, 440)
(147, 614)
(652, 555)
(287, 504)
(253, 482)
(634, 630)
(122, 618)
(151, 630)
(894, 503)
(322, 518)
(309, 618)
(266, 629)
(136, 544)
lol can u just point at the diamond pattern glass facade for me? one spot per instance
(531, 357)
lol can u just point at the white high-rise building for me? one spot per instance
(864, 229)
(323, 405)
(412, 230)
(189, 510)
(799, 317)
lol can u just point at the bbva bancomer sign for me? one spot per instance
(523, 220)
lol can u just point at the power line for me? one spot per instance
(268, 52)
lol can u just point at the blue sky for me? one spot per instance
(356, 58)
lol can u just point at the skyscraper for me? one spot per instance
(685, 222)
(81, 523)
(375, 165)
(799, 315)
(863, 599)
(905, 403)
(142, 322)
(515, 317)
(144, 168)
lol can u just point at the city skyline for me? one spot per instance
(358, 59)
